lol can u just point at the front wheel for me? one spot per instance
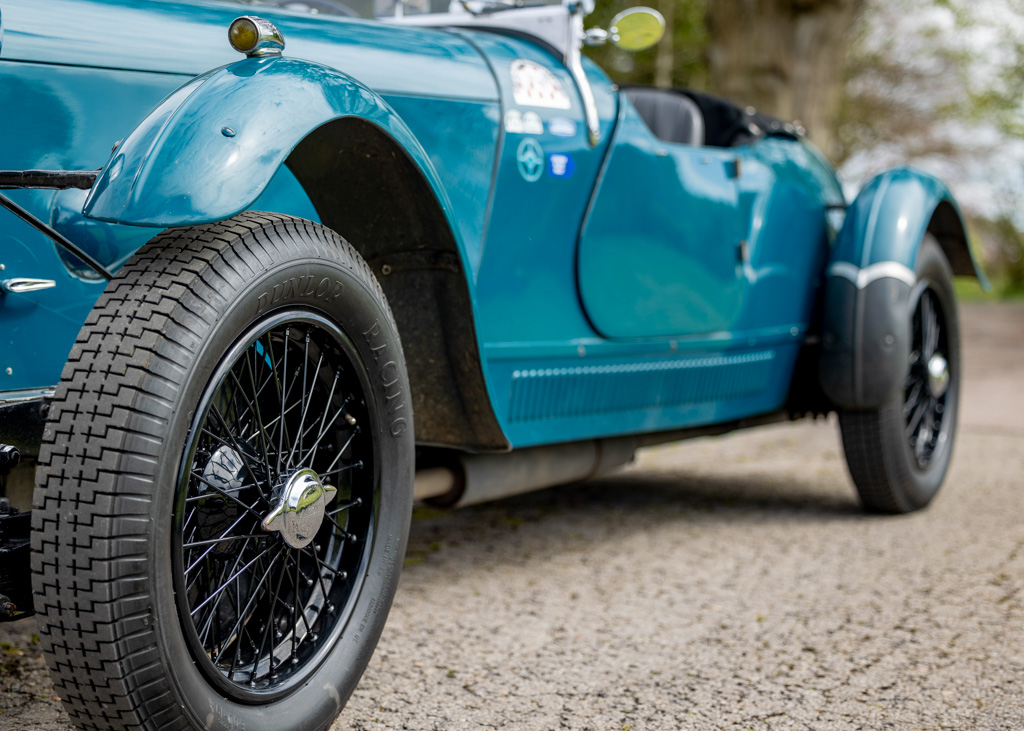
(899, 453)
(225, 485)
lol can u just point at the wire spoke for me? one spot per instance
(234, 443)
(215, 541)
(252, 596)
(916, 418)
(355, 430)
(224, 493)
(319, 574)
(321, 565)
(207, 551)
(266, 382)
(341, 508)
(929, 326)
(346, 468)
(924, 436)
(267, 631)
(295, 603)
(312, 450)
(208, 622)
(284, 397)
(228, 582)
(330, 397)
(305, 408)
(259, 421)
(913, 398)
(226, 490)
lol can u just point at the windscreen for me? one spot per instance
(394, 8)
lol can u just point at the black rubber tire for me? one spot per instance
(881, 461)
(113, 447)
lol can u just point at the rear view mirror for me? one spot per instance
(637, 29)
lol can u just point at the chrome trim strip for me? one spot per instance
(25, 284)
(574, 62)
(23, 396)
(863, 277)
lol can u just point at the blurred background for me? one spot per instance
(938, 84)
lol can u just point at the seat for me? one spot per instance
(670, 115)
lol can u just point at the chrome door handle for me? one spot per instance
(24, 284)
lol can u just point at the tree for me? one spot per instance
(784, 57)
(939, 84)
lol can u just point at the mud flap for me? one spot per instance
(866, 335)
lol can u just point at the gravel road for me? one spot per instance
(721, 583)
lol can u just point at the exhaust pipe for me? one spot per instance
(478, 478)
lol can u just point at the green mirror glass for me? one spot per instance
(637, 29)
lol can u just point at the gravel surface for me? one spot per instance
(721, 583)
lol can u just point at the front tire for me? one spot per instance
(898, 454)
(225, 485)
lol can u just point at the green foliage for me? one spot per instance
(682, 53)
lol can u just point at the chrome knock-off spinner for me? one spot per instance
(301, 504)
(938, 375)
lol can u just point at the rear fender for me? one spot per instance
(866, 335)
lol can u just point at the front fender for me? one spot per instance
(866, 319)
(210, 148)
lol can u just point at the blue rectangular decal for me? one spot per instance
(560, 166)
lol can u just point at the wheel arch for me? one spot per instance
(947, 226)
(364, 186)
(211, 148)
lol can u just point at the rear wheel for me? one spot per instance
(898, 454)
(225, 484)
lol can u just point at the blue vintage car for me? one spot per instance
(437, 255)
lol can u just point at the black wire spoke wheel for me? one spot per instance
(274, 506)
(927, 385)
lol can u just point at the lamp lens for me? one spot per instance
(243, 35)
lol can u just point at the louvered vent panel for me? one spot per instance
(558, 393)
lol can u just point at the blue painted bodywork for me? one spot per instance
(629, 286)
(667, 224)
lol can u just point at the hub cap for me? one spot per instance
(299, 512)
(938, 375)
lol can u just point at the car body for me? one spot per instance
(567, 284)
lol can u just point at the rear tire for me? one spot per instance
(169, 596)
(898, 454)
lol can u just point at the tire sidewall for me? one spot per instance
(339, 293)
